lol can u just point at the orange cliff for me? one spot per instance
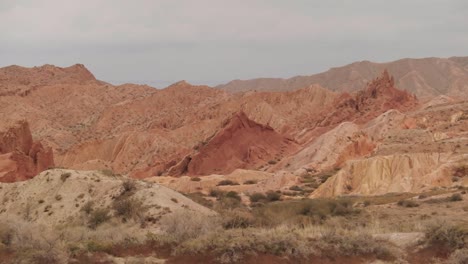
(20, 157)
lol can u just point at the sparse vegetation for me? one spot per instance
(128, 208)
(128, 186)
(227, 182)
(195, 179)
(257, 197)
(88, 207)
(449, 236)
(296, 188)
(272, 196)
(64, 176)
(97, 217)
(407, 203)
(247, 182)
(107, 172)
(456, 197)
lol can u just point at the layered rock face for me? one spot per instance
(416, 172)
(242, 143)
(20, 157)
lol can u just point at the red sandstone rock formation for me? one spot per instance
(242, 143)
(362, 106)
(20, 157)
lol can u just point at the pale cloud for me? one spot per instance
(214, 40)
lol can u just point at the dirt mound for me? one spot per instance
(242, 143)
(57, 197)
(20, 157)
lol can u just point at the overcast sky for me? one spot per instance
(214, 41)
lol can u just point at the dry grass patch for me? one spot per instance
(448, 236)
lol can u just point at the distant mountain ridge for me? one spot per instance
(426, 78)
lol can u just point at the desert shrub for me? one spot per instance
(174, 200)
(65, 176)
(232, 245)
(257, 197)
(196, 179)
(233, 195)
(228, 202)
(227, 182)
(98, 217)
(128, 207)
(460, 256)
(407, 203)
(180, 226)
(303, 212)
(449, 236)
(272, 196)
(423, 196)
(456, 197)
(97, 246)
(128, 186)
(354, 244)
(237, 219)
(272, 162)
(247, 182)
(58, 197)
(296, 188)
(216, 193)
(107, 172)
(6, 235)
(199, 198)
(88, 207)
(36, 256)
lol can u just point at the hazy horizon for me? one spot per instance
(212, 42)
